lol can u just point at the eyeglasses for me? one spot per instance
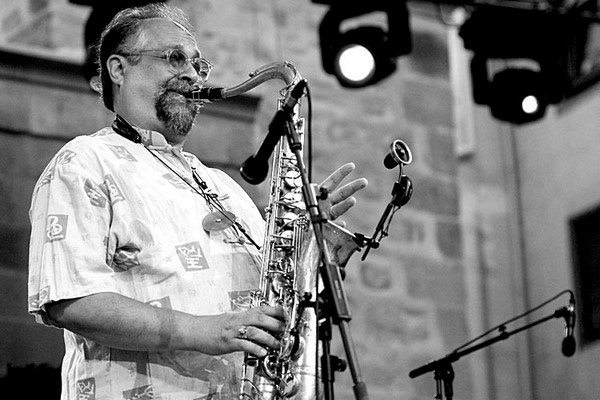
(178, 60)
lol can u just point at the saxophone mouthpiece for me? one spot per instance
(205, 95)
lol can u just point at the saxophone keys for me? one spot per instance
(284, 240)
(293, 179)
(288, 385)
(288, 218)
(292, 345)
(280, 283)
(269, 366)
(293, 200)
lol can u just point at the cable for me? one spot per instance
(308, 133)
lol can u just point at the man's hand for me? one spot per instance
(251, 331)
(341, 199)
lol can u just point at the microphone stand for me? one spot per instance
(442, 368)
(401, 193)
(332, 278)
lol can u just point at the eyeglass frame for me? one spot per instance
(166, 54)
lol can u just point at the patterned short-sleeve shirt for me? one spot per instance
(108, 215)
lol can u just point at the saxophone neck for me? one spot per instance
(282, 70)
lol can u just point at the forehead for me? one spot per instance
(164, 34)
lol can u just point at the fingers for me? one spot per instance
(347, 190)
(341, 208)
(267, 318)
(332, 181)
(255, 340)
(341, 199)
(258, 329)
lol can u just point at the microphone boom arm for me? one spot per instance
(441, 366)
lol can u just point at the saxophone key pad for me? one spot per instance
(293, 179)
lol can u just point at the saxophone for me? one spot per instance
(290, 263)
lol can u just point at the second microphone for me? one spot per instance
(255, 169)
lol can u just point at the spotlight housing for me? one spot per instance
(538, 38)
(361, 57)
(518, 95)
(378, 46)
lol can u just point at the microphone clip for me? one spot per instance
(402, 191)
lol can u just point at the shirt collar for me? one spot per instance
(152, 138)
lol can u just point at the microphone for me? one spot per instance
(399, 154)
(568, 344)
(255, 169)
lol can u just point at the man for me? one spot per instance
(126, 252)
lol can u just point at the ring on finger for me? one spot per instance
(242, 333)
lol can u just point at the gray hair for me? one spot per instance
(122, 34)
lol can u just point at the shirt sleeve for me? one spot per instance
(70, 218)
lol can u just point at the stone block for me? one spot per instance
(449, 239)
(398, 322)
(376, 275)
(428, 103)
(435, 195)
(386, 331)
(59, 26)
(443, 283)
(453, 326)
(429, 55)
(413, 233)
(440, 155)
(49, 111)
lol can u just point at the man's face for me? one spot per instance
(175, 113)
(152, 92)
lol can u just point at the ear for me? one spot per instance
(116, 68)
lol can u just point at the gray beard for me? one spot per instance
(176, 114)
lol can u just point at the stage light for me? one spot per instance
(534, 49)
(518, 95)
(367, 54)
(530, 104)
(355, 63)
(361, 58)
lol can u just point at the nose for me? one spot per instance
(189, 73)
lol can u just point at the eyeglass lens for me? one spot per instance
(178, 60)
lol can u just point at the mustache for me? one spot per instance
(178, 85)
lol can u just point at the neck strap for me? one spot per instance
(124, 128)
